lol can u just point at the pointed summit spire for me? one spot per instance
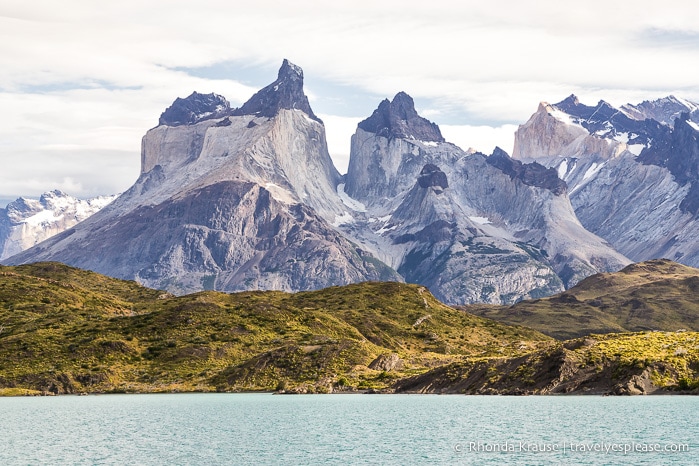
(284, 93)
(289, 71)
(572, 99)
(399, 119)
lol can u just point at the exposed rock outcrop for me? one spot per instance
(432, 177)
(387, 362)
(195, 108)
(399, 119)
(531, 174)
(552, 371)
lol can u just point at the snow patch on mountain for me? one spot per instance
(593, 170)
(279, 193)
(636, 149)
(44, 217)
(563, 169)
(563, 117)
(480, 220)
(385, 229)
(343, 219)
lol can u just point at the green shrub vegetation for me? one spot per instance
(65, 330)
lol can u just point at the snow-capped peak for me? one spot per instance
(30, 221)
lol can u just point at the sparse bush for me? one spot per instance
(343, 382)
(687, 383)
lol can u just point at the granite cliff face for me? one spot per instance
(679, 153)
(631, 177)
(230, 235)
(26, 222)
(473, 228)
(226, 199)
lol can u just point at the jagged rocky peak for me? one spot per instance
(21, 204)
(570, 101)
(432, 177)
(53, 196)
(531, 174)
(598, 113)
(48, 200)
(195, 108)
(605, 121)
(665, 110)
(399, 119)
(284, 93)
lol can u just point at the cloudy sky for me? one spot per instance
(82, 81)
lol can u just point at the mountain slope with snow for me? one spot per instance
(471, 227)
(26, 222)
(633, 179)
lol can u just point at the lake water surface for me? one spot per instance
(209, 429)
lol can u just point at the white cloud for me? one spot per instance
(81, 81)
(481, 138)
(338, 132)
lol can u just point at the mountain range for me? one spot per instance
(26, 222)
(246, 198)
(632, 172)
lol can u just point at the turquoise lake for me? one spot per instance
(251, 429)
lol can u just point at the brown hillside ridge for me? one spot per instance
(653, 295)
(613, 364)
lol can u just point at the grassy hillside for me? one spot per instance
(64, 330)
(653, 295)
